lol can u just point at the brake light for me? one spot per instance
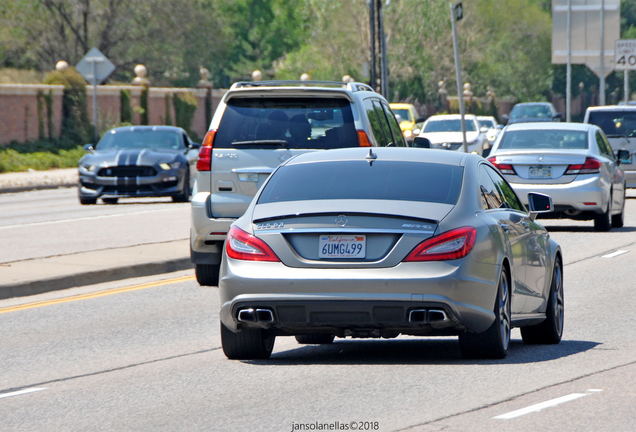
(591, 166)
(453, 244)
(205, 153)
(363, 139)
(503, 168)
(243, 246)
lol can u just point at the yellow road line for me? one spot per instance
(95, 294)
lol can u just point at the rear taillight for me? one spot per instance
(503, 168)
(363, 139)
(591, 166)
(205, 153)
(453, 244)
(243, 246)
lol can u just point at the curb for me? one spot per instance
(17, 189)
(95, 277)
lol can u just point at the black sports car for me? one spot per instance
(139, 161)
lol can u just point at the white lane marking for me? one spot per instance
(20, 392)
(615, 254)
(594, 390)
(83, 218)
(540, 406)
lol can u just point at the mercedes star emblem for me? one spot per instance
(341, 220)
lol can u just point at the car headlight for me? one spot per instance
(170, 166)
(88, 167)
(408, 133)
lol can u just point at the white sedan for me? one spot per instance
(571, 162)
(445, 132)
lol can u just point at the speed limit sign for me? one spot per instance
(625, 54)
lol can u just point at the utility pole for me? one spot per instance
(457, 14)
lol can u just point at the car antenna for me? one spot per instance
(371, 157)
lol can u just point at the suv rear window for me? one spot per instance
(382, 180)
(299, 123)
(615, 122)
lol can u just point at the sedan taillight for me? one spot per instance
(503, 168)
(243, 246)
(453, 244)
(591, 166)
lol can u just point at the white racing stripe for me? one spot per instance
(615, 254)
(83, 218)
(20, 392)
(540, 406)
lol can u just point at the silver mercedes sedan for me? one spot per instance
(376, 243)
(571, 162)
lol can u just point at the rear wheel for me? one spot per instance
(550, 330)
(207, 274)
(109, 200)
(315, 339)
(494, 342)
(619, 220)
(603, 221)
(87, 201)
(247, 344)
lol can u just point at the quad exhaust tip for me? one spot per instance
(256, 315)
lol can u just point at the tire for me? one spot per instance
(186, 192)
(87, 201)
(207, 274)
(550, 330)
(247, 344)
(315, 339)
(494, 342)
(109, 200)
(619, 220)
(603, 222)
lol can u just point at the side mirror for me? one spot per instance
(557, 117)
(622, 156)
(195, 146)
(89, 147)
(500, 127)
(420, 120)
(539, 203)
(421, 142)
(505, 118)
(486, 152)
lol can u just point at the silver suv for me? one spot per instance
(258, 125)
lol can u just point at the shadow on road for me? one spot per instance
(416, 351)
(586, 229)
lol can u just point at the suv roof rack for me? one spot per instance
(354, 86)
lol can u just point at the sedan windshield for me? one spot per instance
(449, 126)
(140, 139)
(615, 122)
(544, 139)
(348, 180)
(403, 113)
(539, 111)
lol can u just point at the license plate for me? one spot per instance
(540, 171)
(342, 246)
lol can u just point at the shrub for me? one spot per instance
(185, 105)
(125, 112)
(38, 155)
(76, 125)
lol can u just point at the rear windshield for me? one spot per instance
(615, 122)
(544, 139)
(300, 123)
(449, 126)
(382, 180)
(140, 139)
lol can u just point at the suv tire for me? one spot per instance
(207, 274)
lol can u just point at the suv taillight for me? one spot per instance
(205, 154)
(363, 139)
(591, 166)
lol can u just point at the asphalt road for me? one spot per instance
(146, 355)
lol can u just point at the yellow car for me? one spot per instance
(408, 117)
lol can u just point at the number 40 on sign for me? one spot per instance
(625, 54)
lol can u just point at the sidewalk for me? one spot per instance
(36, 276)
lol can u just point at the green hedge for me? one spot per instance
(39, 155)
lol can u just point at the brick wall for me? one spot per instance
(19, 108)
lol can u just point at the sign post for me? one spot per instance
(625, 60)
(457, 13)
(95, 68)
